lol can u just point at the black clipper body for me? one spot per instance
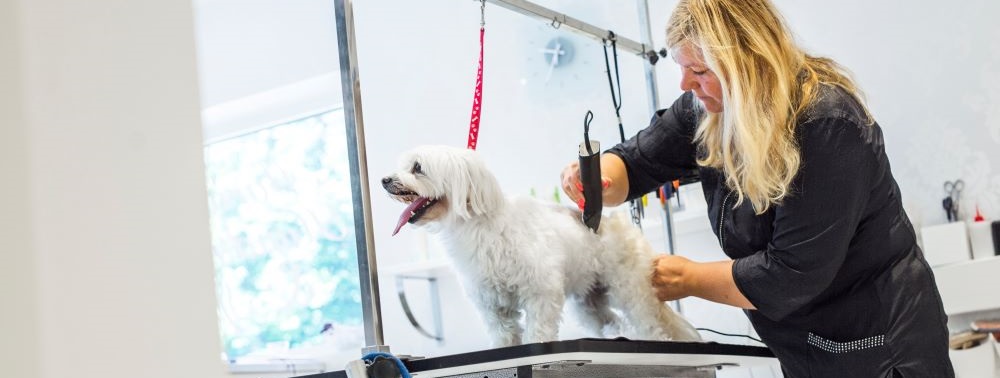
(590, 177)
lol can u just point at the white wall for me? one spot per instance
(103, 171)
(249, 46)
(931, 73)
(18, 320)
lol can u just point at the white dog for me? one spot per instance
(527, 255)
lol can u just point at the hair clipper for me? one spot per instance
(590, 177)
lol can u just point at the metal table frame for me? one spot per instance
(592, 358)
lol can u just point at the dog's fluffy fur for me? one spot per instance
(526, 255)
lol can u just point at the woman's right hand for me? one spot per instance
(572, 186)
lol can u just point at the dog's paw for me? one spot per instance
(505, 339)
(612, 330)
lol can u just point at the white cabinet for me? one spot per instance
(969, 286)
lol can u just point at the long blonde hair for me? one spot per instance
(767, 83)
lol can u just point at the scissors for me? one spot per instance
(951, 203)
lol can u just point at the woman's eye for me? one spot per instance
(699, 73)
(416, 169)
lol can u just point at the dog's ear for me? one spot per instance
(476, 191)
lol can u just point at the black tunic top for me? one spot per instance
(840, 286)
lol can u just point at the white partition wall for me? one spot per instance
(109, 260)
(18, 322)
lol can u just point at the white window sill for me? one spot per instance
(278, 366)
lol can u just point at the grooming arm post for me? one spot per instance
(367, 266)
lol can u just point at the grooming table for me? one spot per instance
(592, 358)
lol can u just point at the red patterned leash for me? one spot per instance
(477, 101)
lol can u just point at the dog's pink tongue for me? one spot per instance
(408, 212)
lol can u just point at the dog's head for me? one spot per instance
(441, 182)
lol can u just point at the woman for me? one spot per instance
(800, 195)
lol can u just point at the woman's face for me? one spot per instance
(697, 78)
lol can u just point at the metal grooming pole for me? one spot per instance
(351, 87)
(646, 34)
(358, 160)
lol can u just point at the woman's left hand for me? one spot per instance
(669, 278)
(676, 277)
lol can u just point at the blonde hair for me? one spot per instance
(767, 83)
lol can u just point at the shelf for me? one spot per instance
(424, 267)
(277, 366)
(969, 286)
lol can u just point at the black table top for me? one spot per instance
(587, 346)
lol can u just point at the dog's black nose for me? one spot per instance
(386, 181)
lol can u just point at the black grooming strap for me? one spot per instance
(635, 204)
(615, 96)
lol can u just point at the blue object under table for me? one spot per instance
(594, 358)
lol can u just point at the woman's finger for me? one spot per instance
(571, 182)
(662, 295)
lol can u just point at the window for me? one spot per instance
(283, 239)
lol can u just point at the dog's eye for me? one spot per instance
(416, 169)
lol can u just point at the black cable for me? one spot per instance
(730, 334)
(635, 204)
(615, 96)
(586, 130)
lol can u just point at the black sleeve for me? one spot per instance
(814, 225)
(662, 152)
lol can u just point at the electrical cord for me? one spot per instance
(589, 117)
(635, 205)
(371, 357)
(730, 334)
(616, 96)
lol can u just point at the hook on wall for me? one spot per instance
(654, 56)
(482, 13)
(556, 23)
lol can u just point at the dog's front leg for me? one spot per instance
(543, 313)
(504, 326)
(501, 317)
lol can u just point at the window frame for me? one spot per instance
(260, 111)
(271, 108)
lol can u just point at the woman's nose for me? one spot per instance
(687, 81)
